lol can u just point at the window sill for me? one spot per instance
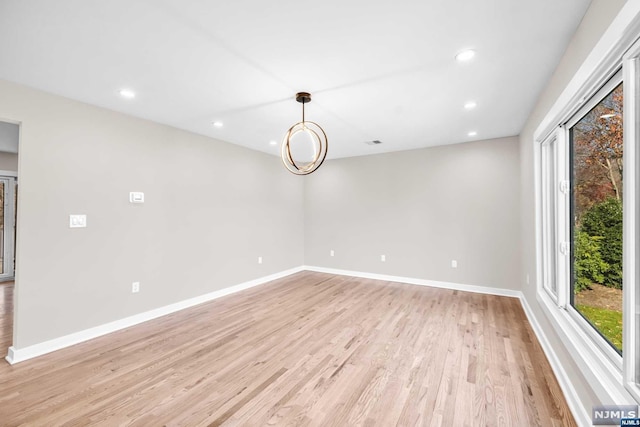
(604, 377)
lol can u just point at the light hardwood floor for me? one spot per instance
(309, 349)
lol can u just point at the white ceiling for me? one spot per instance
(376, 69)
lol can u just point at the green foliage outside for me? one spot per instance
(598, 259)
(604, 222)
(608, 322)
(590, 268)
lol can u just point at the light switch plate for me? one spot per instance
(136, 197)
(77, 221)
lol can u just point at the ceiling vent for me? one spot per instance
(374, 142)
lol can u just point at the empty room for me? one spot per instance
(330, 213)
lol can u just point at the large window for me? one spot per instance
(588, 164)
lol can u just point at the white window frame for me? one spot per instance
(614, 379)
(631, 224)
(564, 220)
(548, 218)
(554, 190)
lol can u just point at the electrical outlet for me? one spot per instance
(77, 221)
(135, 287)
(454, 263)
(527, 279)
(331, 253)
(383, 258)
(259, 260)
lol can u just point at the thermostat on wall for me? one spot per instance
(136, 197)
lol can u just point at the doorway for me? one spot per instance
(9, 138)
(8, 186)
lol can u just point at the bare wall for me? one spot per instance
(421, 209)
(8, 162)
(211, 209)
(9, 133)
(594, 24)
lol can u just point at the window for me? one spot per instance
(596, 171)
(588, 204)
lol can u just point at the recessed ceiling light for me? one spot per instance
(607, 116)
(218, 124)
(470, 105)
(127, 93)
(273, 143)
(472, 133)
(465, 55)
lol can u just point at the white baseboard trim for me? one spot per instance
(16, 355)
(421, 282)
(580, 413)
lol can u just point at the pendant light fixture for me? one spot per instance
(315, 133)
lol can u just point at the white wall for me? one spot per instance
(211, 209)
(594, 24)
(9, 137)
(8, 162)
(421, 209)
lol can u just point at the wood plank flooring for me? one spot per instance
(310, 349)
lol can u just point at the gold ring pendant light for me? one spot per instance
(317, 135)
